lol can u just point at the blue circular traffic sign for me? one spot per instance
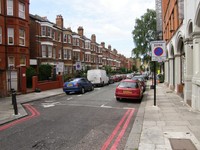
(158, 51)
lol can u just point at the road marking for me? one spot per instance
(121, 134)
(46, 105)
(34, 113)
(103, 106)
(128, 115)
(110, 138)
(69, 98)
(79, 95)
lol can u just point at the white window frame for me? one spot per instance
(69, 39)
(65, 54)
(22, 37)
(22, 60)
(59, 37)
(10, 7)
(0, 34)
(21, 10)
(44, 51)
(49, 32)
(10, 36)
(60, 54)
(54, 52)
(43, 31)
(64, 38)
(0, 6)
(49, 51)
(11, 61)
(53, 35)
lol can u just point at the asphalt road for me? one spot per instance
(92, 121)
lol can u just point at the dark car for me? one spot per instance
(78, 85)
(142, 80)
(111, 79)
(129, 89)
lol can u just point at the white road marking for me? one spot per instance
(46, 105)
(69, 98)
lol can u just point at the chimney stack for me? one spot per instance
(59, 21)
(93, 38)
(103, 44)
(109, 47)
(80, 31)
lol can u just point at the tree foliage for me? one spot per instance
(30, 72)
(144, 32)
(45, 72)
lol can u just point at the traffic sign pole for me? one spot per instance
(154, 83)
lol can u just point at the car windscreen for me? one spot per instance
(128, 85)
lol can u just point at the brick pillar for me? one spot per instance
(23, 79)
(34, 82)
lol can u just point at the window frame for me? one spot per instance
(43, 51)
(49, 49)
(22, 60)
(43, 31)
(10, 7)
(0, 35)
(10, 35)
(10, 62)
(22, 37)
(22, 12)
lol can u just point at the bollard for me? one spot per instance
(14, 101)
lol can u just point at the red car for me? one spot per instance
(129, 89)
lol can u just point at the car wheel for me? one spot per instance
(118, 99)
(82, 90)
(92, 88)
(67, 93)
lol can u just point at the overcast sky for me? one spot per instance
(112, 21)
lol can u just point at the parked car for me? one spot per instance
(129, 76)
(98, 77)
(80, 85)
(142, 80)
(111, 79)
(129, 89)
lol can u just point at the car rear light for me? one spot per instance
(76, 84)
(119, 91)
(136, 91)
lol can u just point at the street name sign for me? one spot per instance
(158, 51)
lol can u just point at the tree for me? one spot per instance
(45, 72)
(143, 34)
(30, 72)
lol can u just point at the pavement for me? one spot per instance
(169, 125)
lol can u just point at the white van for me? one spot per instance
(97, 77)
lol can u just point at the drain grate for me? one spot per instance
(182, 144)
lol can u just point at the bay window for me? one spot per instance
(50, 51)
(10, 7)
(44, 54)
(10, 36)
(21, 37)
(0, 35)
(21, 10)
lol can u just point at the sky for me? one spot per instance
(112, 21)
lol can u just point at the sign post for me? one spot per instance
(158, 54)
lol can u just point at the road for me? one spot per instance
(92, 121)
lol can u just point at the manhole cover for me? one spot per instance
(182, 144)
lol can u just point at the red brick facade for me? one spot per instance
(14, 42)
